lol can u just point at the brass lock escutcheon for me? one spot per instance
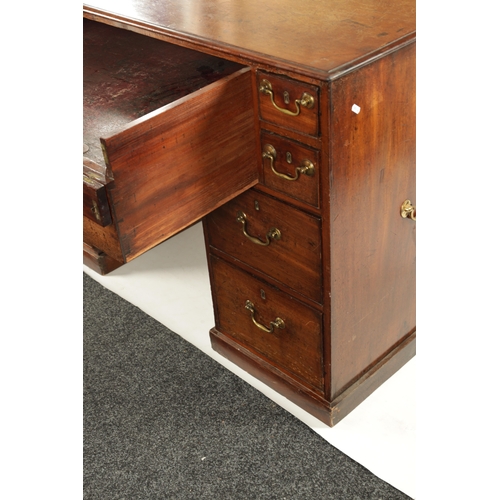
(408, 211)
(272, 234)
(306, 167)
(277, 323)
(306, 101)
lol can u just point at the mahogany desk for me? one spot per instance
(289, 128)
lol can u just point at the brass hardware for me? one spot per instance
(288, 157)
(277, 323)
(286, 97)
(262, 294)
(307, 100)
(256, 205)
(408, 210)
(273, 233)
(306, 167)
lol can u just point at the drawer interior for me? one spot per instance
(127, 75)
(177, 130)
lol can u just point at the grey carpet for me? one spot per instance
(162, 420)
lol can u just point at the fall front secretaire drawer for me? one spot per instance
(282, 330)
(174, 129)
(280, 241)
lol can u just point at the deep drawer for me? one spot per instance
(288, 103)
(290, 168)
(176, 128)
(268, 235)
(246, 309)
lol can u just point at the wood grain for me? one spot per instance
(314, 37)
(342, 276)
(295, 259)
(306, 121)
(373, 247)
(305, 188)
(99, 261)
(329, 412)
(103, 238)
(295, 349)
(95, 199)
(176, 165)
(126, 76)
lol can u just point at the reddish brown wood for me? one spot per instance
(316, 38)
(294, 259)
(181, 162)
(95, 200)
(305, 188)
(342, 276)
(329, 412)
(127, 76)
(257, 366)
(175, 164)
(103, 238)
(373, 378)
(296, 349)
(373, 247)
(306, 122)
(98, 261)
(369, 270)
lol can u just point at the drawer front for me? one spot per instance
(290, 168)
(288, 103)
(270, 236)
(247, 308)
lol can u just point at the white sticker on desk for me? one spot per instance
(356, 109)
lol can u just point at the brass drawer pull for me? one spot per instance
(273, 233)
(307, 100)
(277, 323)
(408, 210)
(306, 167)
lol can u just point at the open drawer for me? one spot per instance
(168, 137)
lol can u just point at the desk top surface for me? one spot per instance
(319, 38)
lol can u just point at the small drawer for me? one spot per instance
(288, 103)
(290, 168)
(272, 237)
(176, 128)
(262, 318)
